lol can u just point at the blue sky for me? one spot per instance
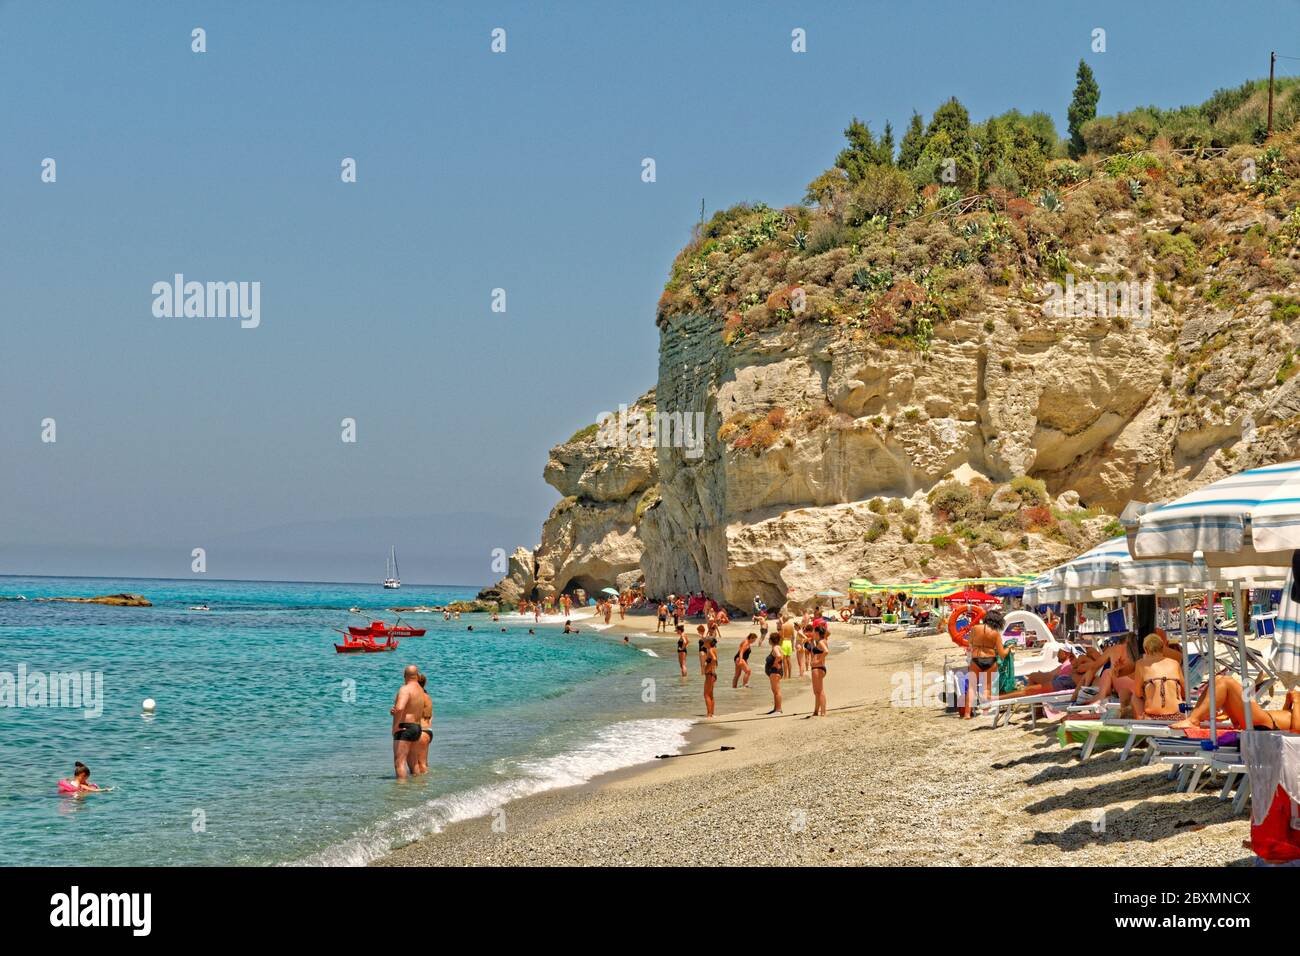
(475, 171)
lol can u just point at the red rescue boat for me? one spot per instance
(352, 644)
(380, 629)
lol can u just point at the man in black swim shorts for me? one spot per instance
(407, 710)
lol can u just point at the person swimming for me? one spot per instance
(80, 782)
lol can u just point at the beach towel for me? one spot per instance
(1077, 731)
(1007, 673)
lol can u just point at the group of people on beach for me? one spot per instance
(805, 643)
(1145, 676)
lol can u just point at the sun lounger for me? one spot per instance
(1005, 707)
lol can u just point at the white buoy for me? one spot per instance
(149, 705)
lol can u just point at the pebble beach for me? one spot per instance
(872, 783)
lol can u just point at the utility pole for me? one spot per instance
(1272, 58)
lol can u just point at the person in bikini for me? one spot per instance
(703, 647)
(1229, 700)
(817, 646)
(406, 711)
(710, 673)
(419, 759)
(986, 649)
(1158, 682)
(742, 659)
(1049, 682)
(773, 668)
(682, 645)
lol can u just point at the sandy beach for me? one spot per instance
(871, 783)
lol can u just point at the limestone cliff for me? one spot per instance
(836, 439)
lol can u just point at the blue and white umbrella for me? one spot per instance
(1251, 518)
(1238, 524)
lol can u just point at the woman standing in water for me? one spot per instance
(774, 667)
(703, 647)
(419, 762)
(742, 659)
(710, 673)
(817, 644)
(682, 644)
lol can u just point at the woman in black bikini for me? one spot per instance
(710, 673)
(986, 649)
(742, 659)
(817, 646)
(774, 667)
(704, 648)
(682, 644)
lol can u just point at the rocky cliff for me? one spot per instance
(899, 407)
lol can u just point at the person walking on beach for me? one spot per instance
(817, 645)
(663, 619)
(419, 761)
(774, 668)
(406, 710)
(682, 644)
(742, 659)
(710, 673)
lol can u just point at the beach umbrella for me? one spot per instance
(829, 594)
(971, 597)
(613, 591)
(1251, 518)
(1248, 519)
(1286, 638)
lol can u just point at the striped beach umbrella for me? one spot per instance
(1251, 518)
(1285, 653)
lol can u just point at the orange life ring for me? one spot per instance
(845, 614)
(973, 614)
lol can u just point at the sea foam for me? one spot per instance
(619, 745)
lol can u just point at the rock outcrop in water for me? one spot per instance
(115, 600)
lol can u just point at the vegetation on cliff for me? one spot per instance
(892, 242)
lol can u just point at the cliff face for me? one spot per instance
(830, 451)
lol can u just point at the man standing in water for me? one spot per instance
(407, 710)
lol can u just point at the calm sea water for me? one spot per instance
(268, 747)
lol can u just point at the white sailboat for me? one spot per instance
(392, 579)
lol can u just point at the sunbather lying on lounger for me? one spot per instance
(1048, 682)
(1228, 699)
(1112, 670)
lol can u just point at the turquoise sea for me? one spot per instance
(268, 747)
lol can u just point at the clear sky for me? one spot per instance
(475, 171)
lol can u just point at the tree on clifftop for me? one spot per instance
(909, 151)
(1083, 107)
(863, 151)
